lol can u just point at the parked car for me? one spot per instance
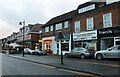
(80, 52)
(113, 52)
(29, 51)
(12, 51)
(40, 52)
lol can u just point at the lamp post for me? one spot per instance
(60, 37)
(23, 23)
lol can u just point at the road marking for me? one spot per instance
(75, 72)
(48, 66)
(66, 70)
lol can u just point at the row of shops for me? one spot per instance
(96, 39)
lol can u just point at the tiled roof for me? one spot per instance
(36, 28)
(60, 18)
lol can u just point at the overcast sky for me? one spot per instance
(32, 11)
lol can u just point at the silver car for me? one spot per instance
(29, 51)
(80, 52)
(113, 52)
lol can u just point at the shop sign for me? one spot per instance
(48, 40)
(90, 35)
(106, 32)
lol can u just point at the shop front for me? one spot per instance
(108, 37)
(48, 45)
(86, 39)
(64, 45)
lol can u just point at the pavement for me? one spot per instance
(98, 68)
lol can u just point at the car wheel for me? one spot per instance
(82, 56)
(66, 55)
(28, 52)
(99, 56)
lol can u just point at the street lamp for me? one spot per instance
(23, 23)
(60, 37)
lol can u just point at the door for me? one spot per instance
(117, 41)
(112, 53)
(74, 52)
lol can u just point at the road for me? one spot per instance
(12, 66)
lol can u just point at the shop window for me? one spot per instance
(107, 43)
(117, 42)
(65, 46)
(77, 44)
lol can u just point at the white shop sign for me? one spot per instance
(89, 35)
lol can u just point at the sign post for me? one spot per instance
(60, 37)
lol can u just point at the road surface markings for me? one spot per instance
(75, 72)
(66, 70)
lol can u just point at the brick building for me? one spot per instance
(50, 39)
(87, 26)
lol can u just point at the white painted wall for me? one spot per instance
(54, 45)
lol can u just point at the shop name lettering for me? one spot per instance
(84, 35)
(106, 32)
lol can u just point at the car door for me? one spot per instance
(115, 52)
(112, 53)
(118, 51)
(74, 52)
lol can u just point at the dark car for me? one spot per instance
(80, 52)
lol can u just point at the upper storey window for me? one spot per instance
(46, 29)
(59, 26)
(51, 28)
(107, 20)
(111, 1)
(77, 26)
(66, 24)
(90, 24)
(87, 8)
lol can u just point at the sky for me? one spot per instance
(32, 12)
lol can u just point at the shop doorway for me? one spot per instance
(65, 46)
(106, 43)
(117, 41)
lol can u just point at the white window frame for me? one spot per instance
(77, 26)
(58, 26)
(46, 29)
(90, 24)
(51, 28)
(111, 1)
(105, 22)
(87, 8)
(66, 24)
